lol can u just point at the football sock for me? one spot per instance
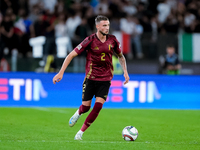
(92, 116)
(83, 109)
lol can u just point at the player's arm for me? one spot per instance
(78, 50)
(122, 62)
(65, 64)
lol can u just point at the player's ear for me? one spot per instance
(97, 26)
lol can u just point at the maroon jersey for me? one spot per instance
(99, 56)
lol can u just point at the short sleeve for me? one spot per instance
(117, 48)
(82, 46)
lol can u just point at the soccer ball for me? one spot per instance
(129, 133)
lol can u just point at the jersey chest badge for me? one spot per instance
(110, 47)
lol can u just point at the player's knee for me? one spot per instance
(85, 109)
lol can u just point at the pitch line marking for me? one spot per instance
(111, 142)
(49, 110)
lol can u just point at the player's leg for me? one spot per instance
(91, 117)
(85, 107)
(102, 89)
(87, 94)
(94, 113)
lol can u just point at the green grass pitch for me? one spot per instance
(47, 129)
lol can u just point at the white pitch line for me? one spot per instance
(41, 108)
(106, 142)
(50, 110)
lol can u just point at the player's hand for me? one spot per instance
(126, 76)
(57, 78)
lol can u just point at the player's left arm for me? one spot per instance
(122, 62)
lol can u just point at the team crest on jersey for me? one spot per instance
(79, 46)
(96, 48)
(110, 46)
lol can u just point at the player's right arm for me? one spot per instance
(78, 50)
(65, 64)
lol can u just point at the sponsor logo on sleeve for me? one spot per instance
(79, 46)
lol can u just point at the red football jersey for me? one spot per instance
(99, 56)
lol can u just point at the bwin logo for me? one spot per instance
(33, 89)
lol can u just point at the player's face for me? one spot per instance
(103, 27)
(170, 50)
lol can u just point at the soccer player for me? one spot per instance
(100, 47)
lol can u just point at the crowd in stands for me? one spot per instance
(23, 19)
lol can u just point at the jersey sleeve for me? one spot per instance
(82, 46)
(117, 47)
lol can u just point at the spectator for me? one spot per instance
(89, 15)
(81, 32)
(127, 26)
(115, 9)
(137, 38)
(154, 27)
(59, 7)
(72, 23)
(102, 8)
(129, 8)
(25, 48)
(2, 46)
(49, 46)
(163, 11)
(115, 24)
(189, 23)
(171, 62)
(34, 13)
(49, 5)
(44, 26)
(171, 25)
(40, 26)
(7, 33)
(146, 24)
(60, 27)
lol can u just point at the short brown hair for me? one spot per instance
(100, 18)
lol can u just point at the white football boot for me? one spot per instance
(74, 118)
(78, 135)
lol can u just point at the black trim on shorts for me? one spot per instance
(93, 88)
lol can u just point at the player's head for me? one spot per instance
(170, 49)
(102, 24)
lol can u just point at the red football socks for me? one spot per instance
(83, 109)
(92, 116)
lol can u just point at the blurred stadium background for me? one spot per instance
(32, 30)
